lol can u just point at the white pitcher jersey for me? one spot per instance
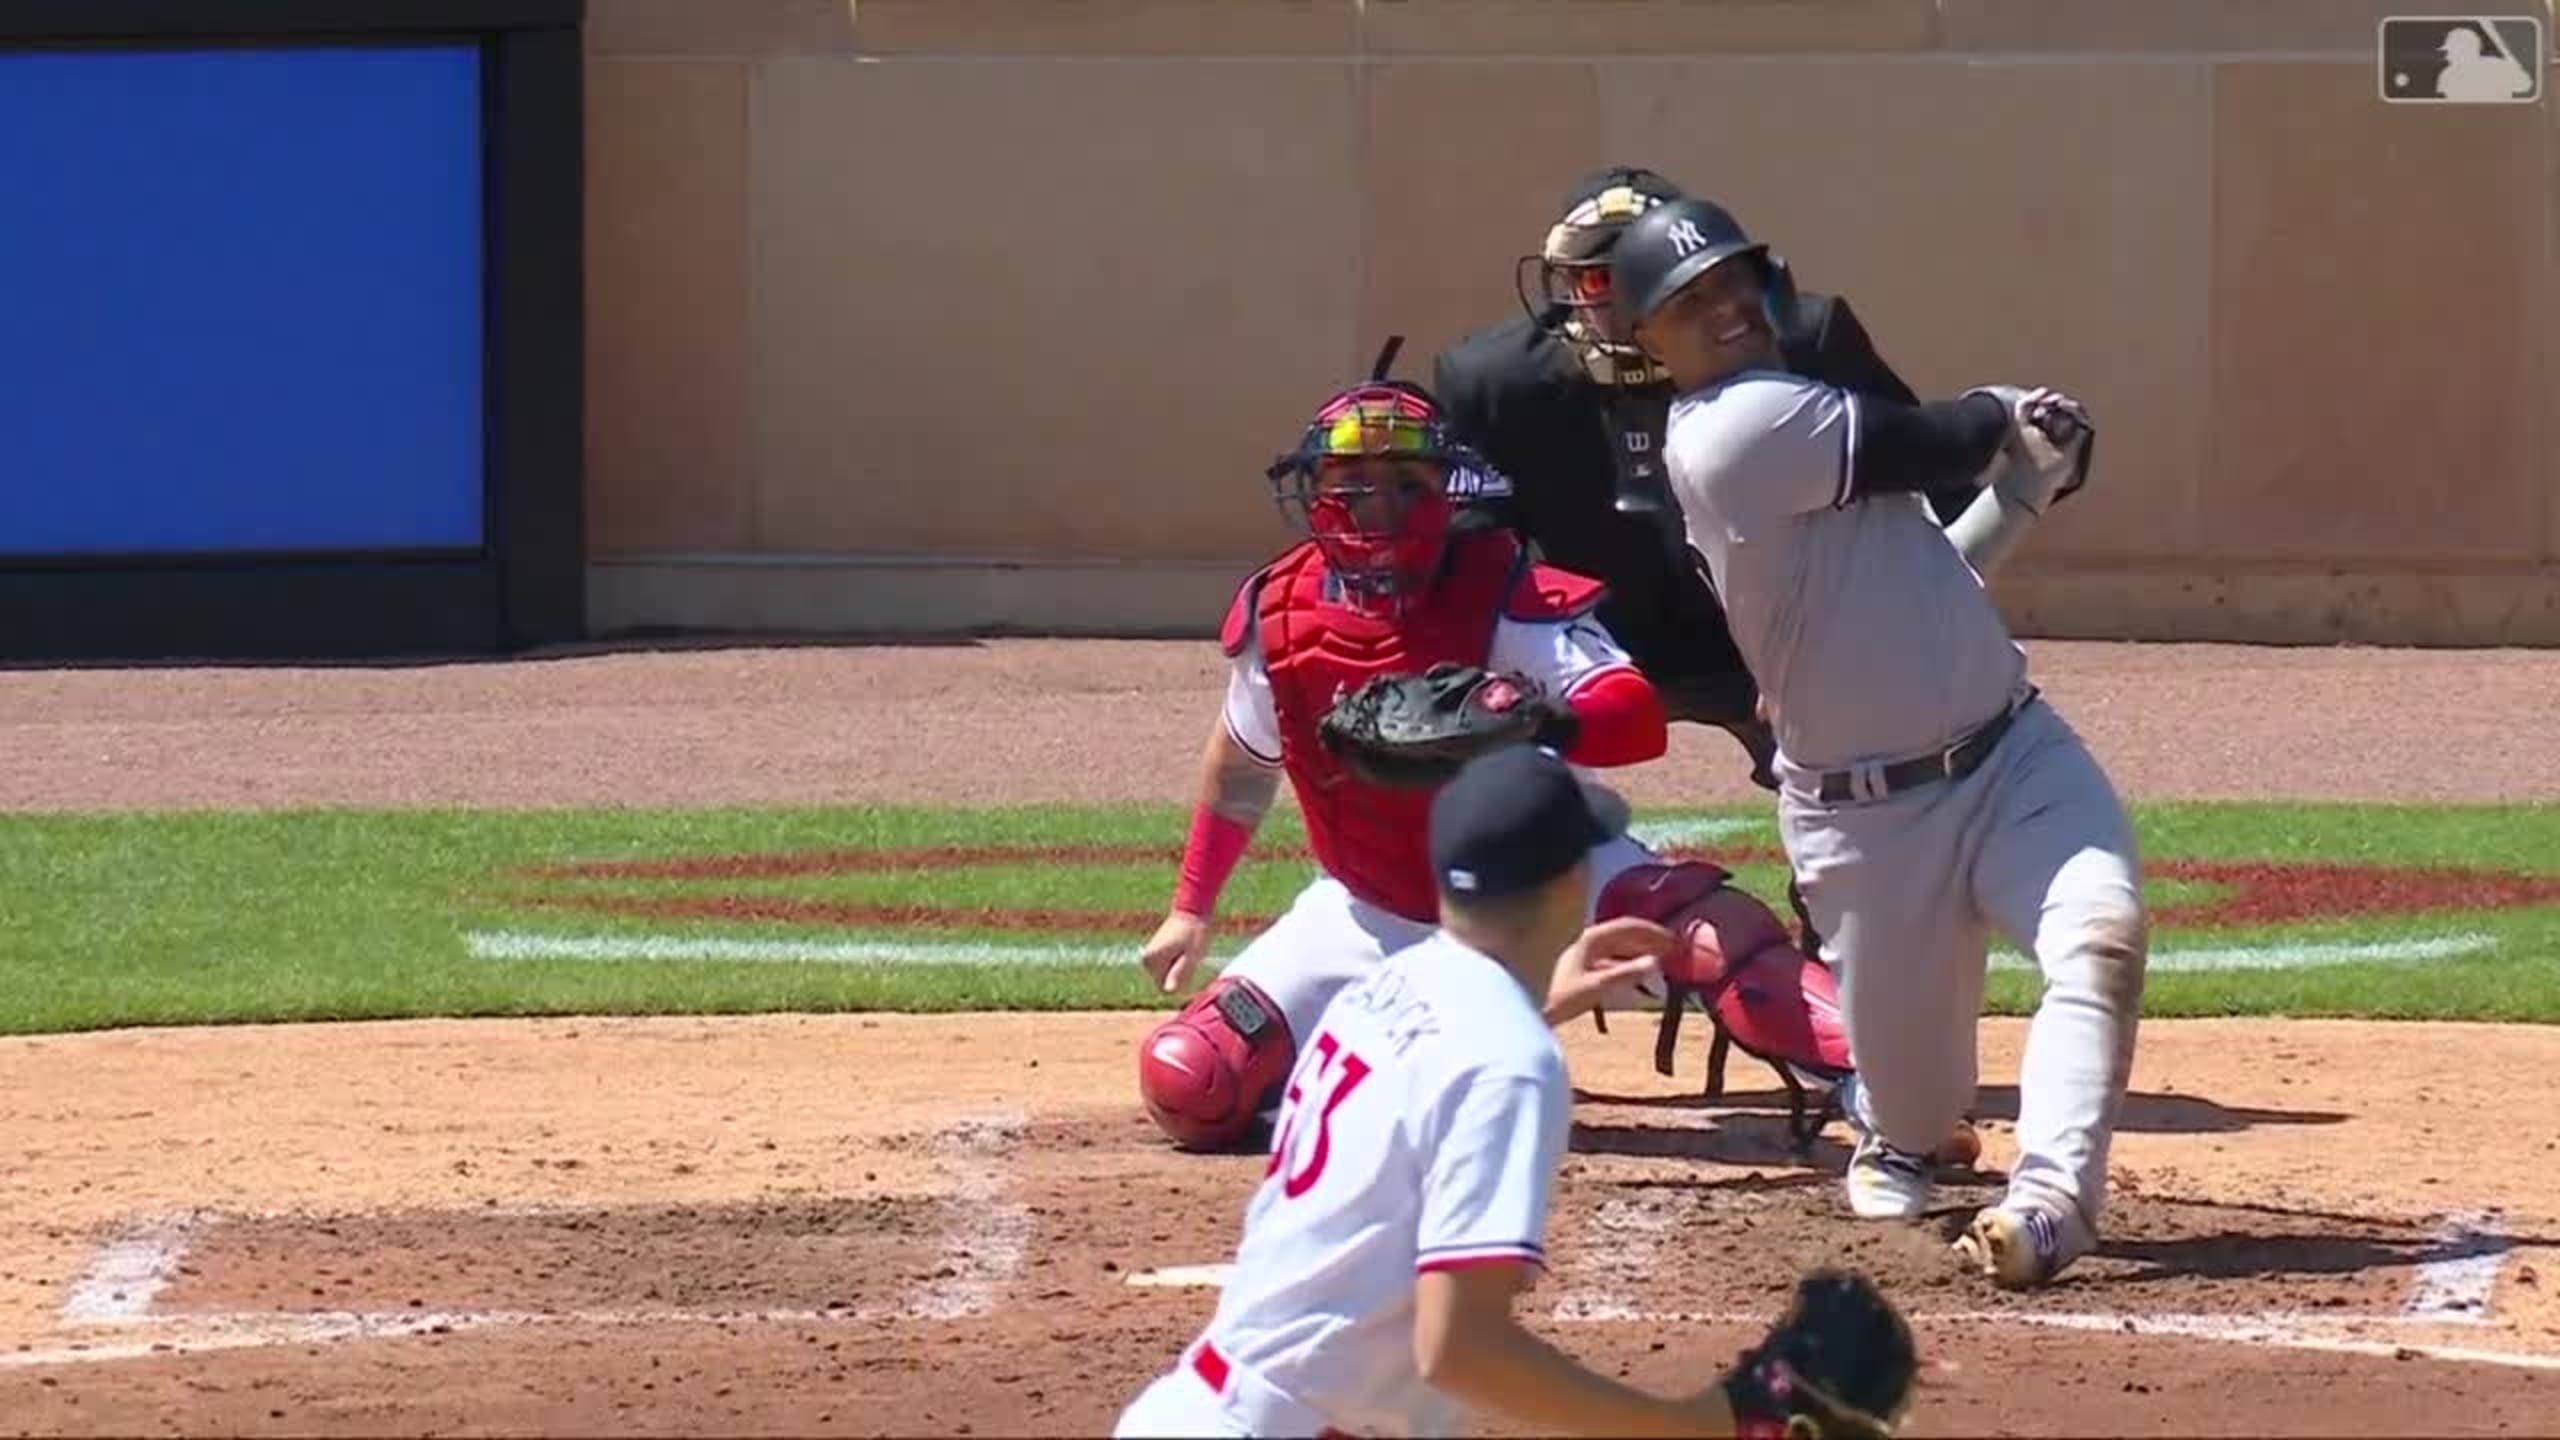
(1559, 655)
(1421, 1131)
(1871, 636)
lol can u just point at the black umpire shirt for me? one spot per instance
(1517, 395)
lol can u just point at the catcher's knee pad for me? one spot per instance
(1738, 960)
(1658, 892)
(1205, 1073)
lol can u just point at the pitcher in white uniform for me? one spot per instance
(1405, 1200)
(1928, 796)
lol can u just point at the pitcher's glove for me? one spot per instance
(1838, 1366)
(1415, 731)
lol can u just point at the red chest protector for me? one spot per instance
(1376, 841)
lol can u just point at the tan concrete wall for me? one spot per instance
(987, 313)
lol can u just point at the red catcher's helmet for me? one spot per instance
(1376, 482)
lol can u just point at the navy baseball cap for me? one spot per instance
(1511, 820)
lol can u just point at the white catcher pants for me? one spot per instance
(1329, 938)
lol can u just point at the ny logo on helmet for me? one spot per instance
(1685, 238)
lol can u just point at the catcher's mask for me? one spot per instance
(1376, 482)
(1565, 287)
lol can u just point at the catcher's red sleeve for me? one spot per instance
(1621, 719)
(1208, 858)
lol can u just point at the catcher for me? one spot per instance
(1405, 1203)
(1367, 662)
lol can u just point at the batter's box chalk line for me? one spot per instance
(129, 1271)
(2455, 1287)
(2451, 1290)
(1633, 1236)
(986, 1235)
(980, 1249)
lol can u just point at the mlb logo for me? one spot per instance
(2461, 59)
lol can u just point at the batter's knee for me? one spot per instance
(1208, 1073)
(2110, 936)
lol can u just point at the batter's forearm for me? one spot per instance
(1236, 791)
(1923, 448)
(1989, 530)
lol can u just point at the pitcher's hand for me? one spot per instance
(1610, 955)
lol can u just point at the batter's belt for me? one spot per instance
(1835, 787)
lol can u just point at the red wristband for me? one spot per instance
(1208, 858)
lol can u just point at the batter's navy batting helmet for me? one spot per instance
(1673, 244)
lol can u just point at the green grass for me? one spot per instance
(187, 918)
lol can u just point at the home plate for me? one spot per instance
(1183, 1277)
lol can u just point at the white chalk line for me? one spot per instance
(2304, 956)
(985, 1236)
(256, 1329)
(1182, 1277)
(522, 945)
(1670, 833)
(1630, 1236)
(2273, 1329)
(525, 945)
(195, 1334)
(2451, 1292)
(983, 1241)
(2456, 1286)
(129, 1272)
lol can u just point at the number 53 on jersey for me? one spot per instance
(1300, 1151)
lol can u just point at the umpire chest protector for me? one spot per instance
(1373, 839)
(1571, 448)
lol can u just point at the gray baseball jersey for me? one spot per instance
(1868, 632)
(1875, 643)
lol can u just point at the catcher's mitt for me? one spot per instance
(1838, 1366)
(1415, 731)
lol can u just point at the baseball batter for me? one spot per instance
(1393, 579)
(1405, 1201)
(1927, 794)
(1562, 403)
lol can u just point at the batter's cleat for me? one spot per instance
(2017, 1249)
(1885, 1183)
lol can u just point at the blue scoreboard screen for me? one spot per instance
(241, 300)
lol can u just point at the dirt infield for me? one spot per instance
(881, 1224)
(1011, 722)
